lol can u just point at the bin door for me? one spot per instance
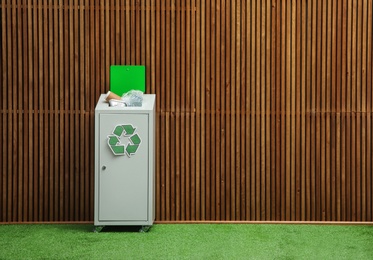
(123, 167)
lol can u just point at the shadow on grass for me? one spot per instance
(126, 229)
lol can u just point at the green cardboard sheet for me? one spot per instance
(124, 78)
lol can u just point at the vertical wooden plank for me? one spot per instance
(127, 16)
(77, 123)
(193, 64)
(152, 14)
(122, 32)
(46, 116)
(363, 110)
(50, 102)
(262, 110)
(252, 102)
(348, 108)
(71, 116)
(222, 115)
(8, 184)
(182, 105)
(313, 108)
(84, 132)
(4, 123)
(231, 110)
(13, 180)
(283, 111)
(173, 105)
(358, 108)
(242, 137)
(322, 109)
(328, 110)
(211, 145)
(189, 214)
(36, 121)
(82, 126)
(21, 112)
(273, 106)
(353, 108)
(303, 110)
(146, 16)
(197, 80)
(116, 51)
(162, 74)
(138, 32)
(167, 96)
(179, 147)
(142, 36)
(333, 109)
(108, 40)
(227, 93)
(268, 111)
(111, 36)
(253, 114)
(12, 116)
(305, 106)
(245, 123)
(206, 116)
(369, 112)
(278, 109)
(218, 115)
(288, 108)
(258, 114)
(93, 58)
(343, 110)
(235, 66)
(181, 79)
(155, 82)
(318, 112)
(26, 114)
(293, 110)
(20, 121)
(338, 109)
(297, 88)
(61, 106)
(133, 30)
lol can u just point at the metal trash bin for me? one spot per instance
(125, 164)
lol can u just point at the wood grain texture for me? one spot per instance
(264, 108)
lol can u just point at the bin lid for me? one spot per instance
(124, 78)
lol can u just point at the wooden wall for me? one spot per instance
(264, 108)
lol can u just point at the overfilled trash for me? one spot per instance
(132, 98)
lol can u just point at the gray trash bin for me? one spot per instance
(125, 164)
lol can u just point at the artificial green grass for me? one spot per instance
(188, 241)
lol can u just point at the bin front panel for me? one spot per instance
(123, 167)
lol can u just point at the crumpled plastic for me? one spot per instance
(133, 98)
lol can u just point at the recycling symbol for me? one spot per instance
(120, 134)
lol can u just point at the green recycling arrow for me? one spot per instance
(115, 146)
(118, 130)
(118, 149)
(113, 140)
(135, 139)
(131, 149)
(129, 129)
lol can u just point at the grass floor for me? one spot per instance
(187, 241)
